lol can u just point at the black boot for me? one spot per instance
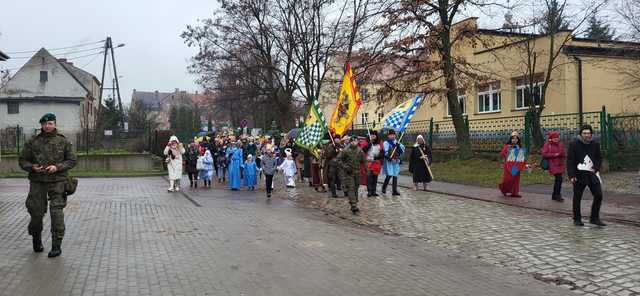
(37, 243)
(55, 250)
(354, 209)
(597, 221)
(395, 186)
(190, 184)
(577, 222)
(385, 184)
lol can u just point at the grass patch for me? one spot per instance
(482, 172)
(96, 174)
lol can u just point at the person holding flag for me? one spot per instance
(399, 118)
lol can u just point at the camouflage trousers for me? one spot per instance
(350, 185)
(37, 207)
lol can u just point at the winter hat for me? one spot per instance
(287, 152)
(174, 139)
(47, 117)
(418, 138)
(553, 134)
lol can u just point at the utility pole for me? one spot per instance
(108, 48)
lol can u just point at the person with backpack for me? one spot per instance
(553, 160)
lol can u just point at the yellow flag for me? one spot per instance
(347, 106)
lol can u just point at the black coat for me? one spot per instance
(191, 158)
(577, 154)
(417, 166)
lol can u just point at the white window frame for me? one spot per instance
(523, 88)
(493, 90)
(462, 98)
(364, 117)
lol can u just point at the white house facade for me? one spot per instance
(46, 84)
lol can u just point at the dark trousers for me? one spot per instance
(394, 183)
(193, 177)
(557, 186)
(372, 183)
(596, 191)
(268, 183)
(334, 183)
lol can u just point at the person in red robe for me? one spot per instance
(513, 156)
(363, 143)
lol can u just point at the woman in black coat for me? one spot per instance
(191, 159)
(421, 156)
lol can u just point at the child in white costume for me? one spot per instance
(289, 169)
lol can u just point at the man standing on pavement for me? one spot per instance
(583, 165)
(47, 157)
(351, 158)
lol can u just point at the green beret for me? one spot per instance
(47, 117)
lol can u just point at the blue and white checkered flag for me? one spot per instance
(400, 117)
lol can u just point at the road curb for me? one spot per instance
(606, 218)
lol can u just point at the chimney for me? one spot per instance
(62, 60)
(177, 90)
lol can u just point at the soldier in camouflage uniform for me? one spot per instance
(350, 159)
(47, 157)
(330, 167)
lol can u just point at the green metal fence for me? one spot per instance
(623, 142)
(12, 139)
(619, 136)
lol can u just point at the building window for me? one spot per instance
(522, 93)
(462, 99)
(13, 107)
(489, 98)
(365, 118)
(43, 76)
(364, 94)
(380, 116)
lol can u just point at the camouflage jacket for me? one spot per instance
(48, 149)
(350, 159)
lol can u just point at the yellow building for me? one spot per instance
(587, 75)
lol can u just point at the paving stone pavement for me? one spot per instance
(131, 237)
(585, 260)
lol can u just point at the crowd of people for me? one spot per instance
(348, 162)
(341, 163)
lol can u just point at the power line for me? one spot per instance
(54, 49)
(71, 58)
(63, 53)
(91, 61)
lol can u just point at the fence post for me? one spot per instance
(610, 151)
(18, 138)
(431, 133)
(527, 130)
(466, 123)
(604, 144)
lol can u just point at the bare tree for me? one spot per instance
(243, 35)
(419, 45)
(539, 61)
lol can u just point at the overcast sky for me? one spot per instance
(154, 57)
